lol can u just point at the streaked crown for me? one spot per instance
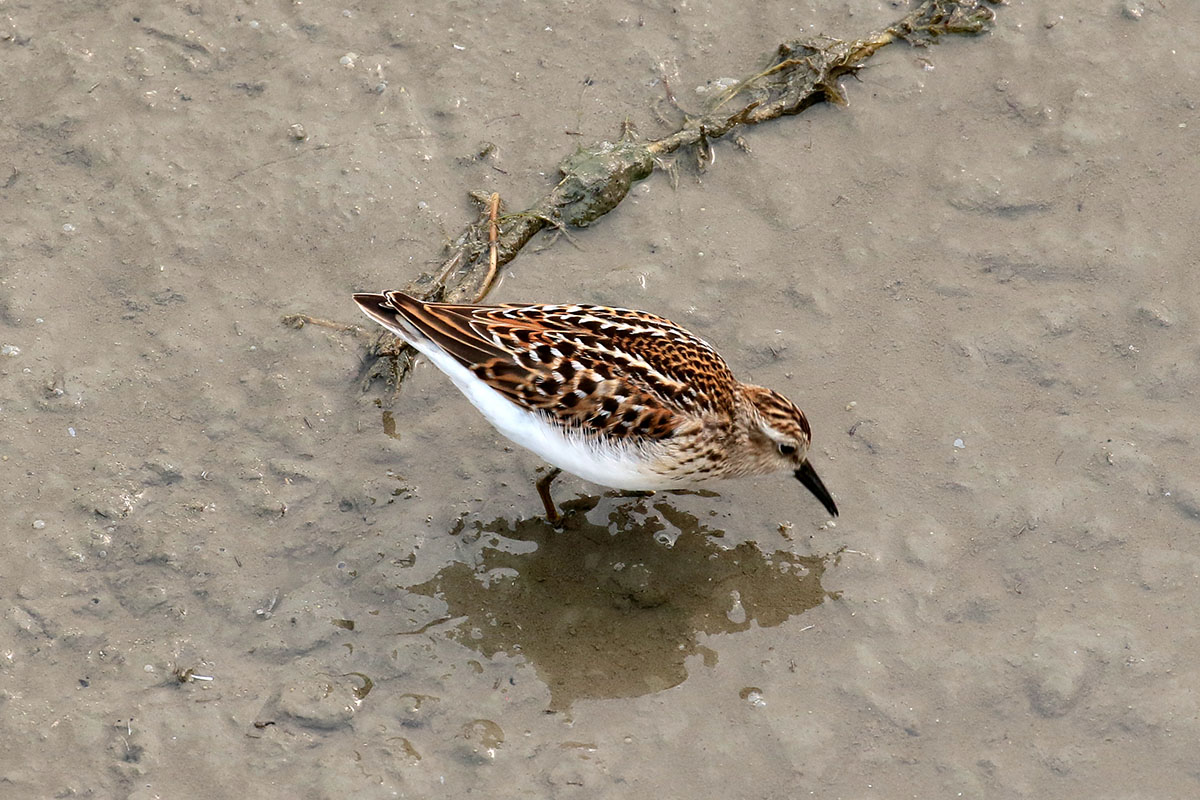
(781, 415)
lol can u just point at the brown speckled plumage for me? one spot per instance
(616, 380)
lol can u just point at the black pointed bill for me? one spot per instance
(808, 476)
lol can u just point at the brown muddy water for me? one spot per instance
(977, 279)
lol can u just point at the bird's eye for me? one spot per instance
(787, 449)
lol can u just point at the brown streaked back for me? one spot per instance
(621, 372)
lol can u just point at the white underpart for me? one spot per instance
(590, 459)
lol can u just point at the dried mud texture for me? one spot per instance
(227, 571)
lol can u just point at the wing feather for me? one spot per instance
(600, 370)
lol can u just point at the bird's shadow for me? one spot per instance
(614, 608)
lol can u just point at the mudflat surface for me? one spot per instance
(977, 279)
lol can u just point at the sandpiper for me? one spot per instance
(617, 397)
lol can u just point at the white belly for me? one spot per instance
(591, 459)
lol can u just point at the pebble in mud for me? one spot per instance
(292, 471)
(416, 710)
(162, 472)
(25, 621)
(480, 739)
(109, 502)
(402, 751)
(1155, 314)
(929, 546)
(1187, 500)
(1133, 9)
(1059, 671)
(1162, 570)
(318, 703)
(1061, 316)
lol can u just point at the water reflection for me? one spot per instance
(612, 610)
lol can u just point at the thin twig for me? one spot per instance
(493, 237)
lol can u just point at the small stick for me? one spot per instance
(493, 238)
(300, 320)
(450, 266)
